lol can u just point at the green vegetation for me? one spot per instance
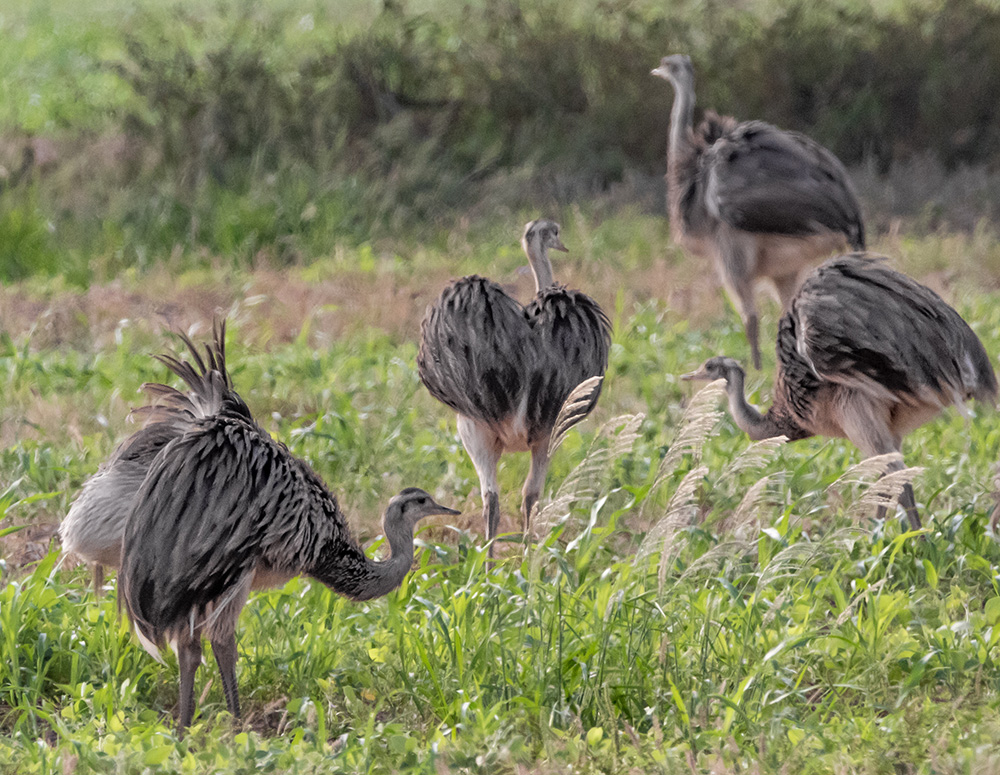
(264, 133)
(690, 602)
(701, 604)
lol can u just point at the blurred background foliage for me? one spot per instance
(270, 131)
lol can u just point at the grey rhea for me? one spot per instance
(92, 529)
(506, 369)
(761, 203)
(223, 509)
(864, 353)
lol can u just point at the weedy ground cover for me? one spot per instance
(690, 602)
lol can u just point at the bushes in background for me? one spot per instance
(250, 142)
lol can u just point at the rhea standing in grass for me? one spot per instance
(223, 509)
(864, 353)
(507, 369)
(762, 203)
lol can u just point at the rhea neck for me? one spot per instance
(681, 114)
(538, 258)
(777, 421)
(345, 568)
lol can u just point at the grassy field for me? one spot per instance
(688, 602)
(695, 604)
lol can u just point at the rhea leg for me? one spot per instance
(484, 447)
(225, 655)
(786, 286)
(906, 498)
(909, 502)
(742, 295)
(869, 430)
(98, 579)
(188, 659)
(737, 261)
(750, 324)
(535, 482)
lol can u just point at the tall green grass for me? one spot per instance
(779, 648)
(690, 602)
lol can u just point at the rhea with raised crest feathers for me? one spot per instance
(222, 509)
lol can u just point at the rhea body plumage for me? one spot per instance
(762, 203)
(224, 508)
(864, 353)
(506, 369)
(92, 529)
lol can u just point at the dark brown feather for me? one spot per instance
(475, 349)
(759, 178)
(572, 340)
(481, 352)
(859, 323)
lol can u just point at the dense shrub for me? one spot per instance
(514, 82)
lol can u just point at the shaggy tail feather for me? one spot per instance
(209, 385)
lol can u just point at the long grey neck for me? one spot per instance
(541, 267)
(681, 118)
(349, 572)
(756, 425)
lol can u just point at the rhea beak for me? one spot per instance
(439, 509)
(700, 374)
(659, 72)
(559, 246)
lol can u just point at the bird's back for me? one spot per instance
(572, 338)
(762, 179)
(856, 322)
(92, 529)
(218, 503)
(476, 350)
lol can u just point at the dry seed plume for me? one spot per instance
(745, 520)
(613, 440)
(224, 508)
(864, 353)
(696, 424)
(763, 204)
(679, 512)
(794, 558)
(577, 405)
(507, 369)
(754, 457)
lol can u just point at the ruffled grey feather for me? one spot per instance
(860, 324)
(93, 528)
(763, 179)
(223, 508)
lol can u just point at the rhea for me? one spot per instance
(224, 508)
(506, 369)
(864, 353)
(761, 203)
